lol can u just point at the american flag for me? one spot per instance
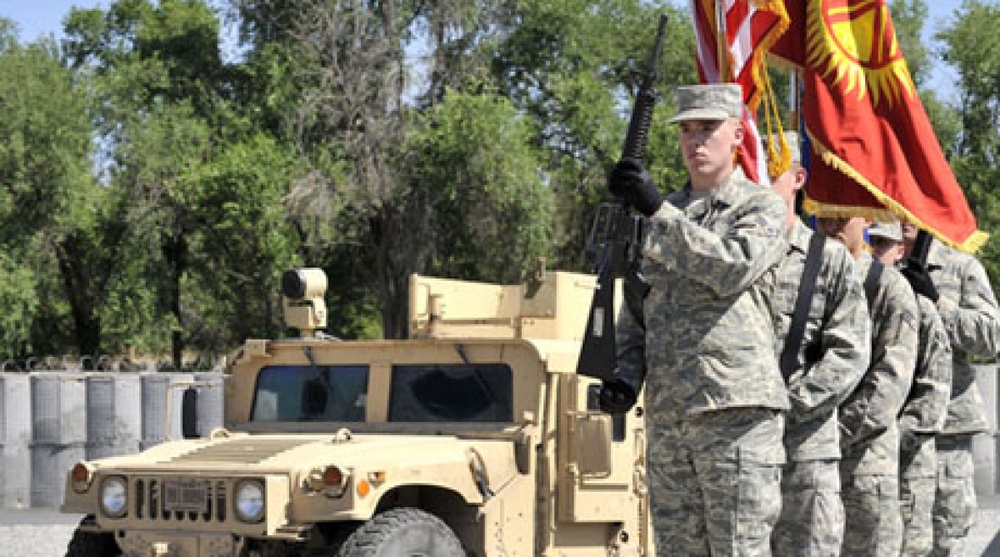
(750, 28)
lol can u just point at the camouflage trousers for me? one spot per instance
(812, 514)
(874, 524)
(916, 496)
(955, 500)
(715, 482)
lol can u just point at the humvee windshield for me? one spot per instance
(451, 393)
(418, 393)
(311, 393)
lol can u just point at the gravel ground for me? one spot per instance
(36, 532)
(45, 533)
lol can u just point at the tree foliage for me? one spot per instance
(972, 47)
(153, 189)
(46, 197)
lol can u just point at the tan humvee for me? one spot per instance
(475, 437)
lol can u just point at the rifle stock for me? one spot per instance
(615, 240)
(921, 245)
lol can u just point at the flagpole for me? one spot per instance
(721, 41)
(794, 101)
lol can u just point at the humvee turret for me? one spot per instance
(474, 437)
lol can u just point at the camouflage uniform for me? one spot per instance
(714, 394)
(832, 358)
(870, 467)
(969, 311)
(922, 418)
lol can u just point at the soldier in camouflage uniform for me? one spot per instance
(714, 395)
(925, 409)
(831, 358)
(958, 285)
(869, 471)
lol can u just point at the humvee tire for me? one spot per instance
(402, 532)
(91, 544)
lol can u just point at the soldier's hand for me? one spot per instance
(920, 280)
(616, 397)
(630, 182)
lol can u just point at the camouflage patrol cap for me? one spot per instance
(888, 230)
(793, 145)
(717, 101)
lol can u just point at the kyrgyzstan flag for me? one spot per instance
(749, 27)
(873, 147)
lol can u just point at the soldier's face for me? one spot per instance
(888, 252)
(707, 146)
(909, 231)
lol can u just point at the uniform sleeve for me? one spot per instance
(845, 341)
(972, 320)
(927, 404)
(630, 342)
(729, 263)
(875, 404)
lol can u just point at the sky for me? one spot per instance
(38, 18)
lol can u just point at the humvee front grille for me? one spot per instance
(169, 500)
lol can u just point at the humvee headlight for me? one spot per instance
(81, 476)
(114, 495)
(250, 501)
(331, 480)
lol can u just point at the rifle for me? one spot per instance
(921, 245)
(615, 240)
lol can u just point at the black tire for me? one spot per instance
(92, 544)
(402, 532)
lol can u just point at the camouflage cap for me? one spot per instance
(888, 230)
(793, 144)
(717, 101)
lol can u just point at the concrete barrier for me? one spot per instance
(211, 397)
(161, 406)
(58, 433)
(985, 448)
(114, 414)
(15, 439)
(49, 420)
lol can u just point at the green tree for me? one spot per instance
(972, 47)
(46, 195)
(487, 211)
(196, 179)
(574, 68)
(242, 242)
(366, 116)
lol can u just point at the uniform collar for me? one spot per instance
(799, 236)
(726, 194)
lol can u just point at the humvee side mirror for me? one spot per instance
(592, 443)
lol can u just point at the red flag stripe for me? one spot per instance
(749, 31)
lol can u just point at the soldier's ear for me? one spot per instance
(737, 130)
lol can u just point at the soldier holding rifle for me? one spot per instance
(704, 342)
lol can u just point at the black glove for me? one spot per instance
(616, 397)
(920, 280)
(630, 182)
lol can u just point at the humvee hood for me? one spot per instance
(284, 454)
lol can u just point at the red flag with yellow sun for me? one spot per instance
(874, 151)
